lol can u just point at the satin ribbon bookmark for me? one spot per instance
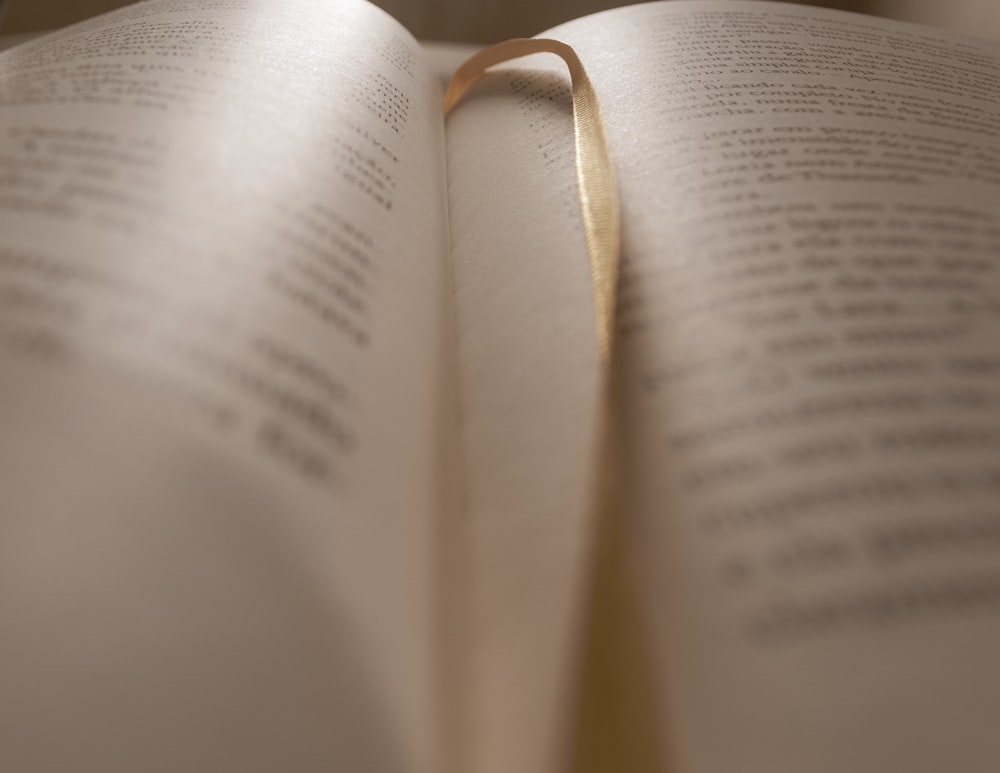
(615, 727)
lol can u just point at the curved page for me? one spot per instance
(809, 322)
(222, 249)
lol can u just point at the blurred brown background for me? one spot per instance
(488, 20)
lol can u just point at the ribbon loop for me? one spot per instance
(595, 176)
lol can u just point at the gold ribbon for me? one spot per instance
(615, 727)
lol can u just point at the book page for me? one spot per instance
(809, 318)
(222, 332)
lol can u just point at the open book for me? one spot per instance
(297, 384)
